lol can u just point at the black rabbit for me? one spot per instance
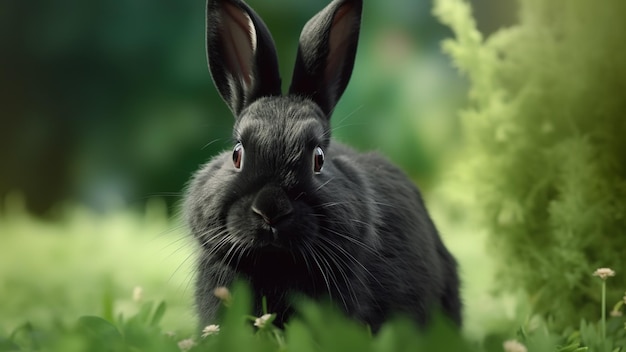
(294, 212)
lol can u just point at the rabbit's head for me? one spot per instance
(286, 197)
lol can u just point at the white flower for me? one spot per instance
(616, 313)
(260, 322)
(186, 344)
(210, 330)
(604, 273)
(137, 293)
(223, 294)
(514, 346)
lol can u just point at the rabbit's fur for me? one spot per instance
(353, 229)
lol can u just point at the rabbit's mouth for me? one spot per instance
(268, 240)
(274, 239)
(270, 248)
(271, 261)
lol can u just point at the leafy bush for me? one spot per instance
(547, 146)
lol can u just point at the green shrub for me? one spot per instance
(546, 134)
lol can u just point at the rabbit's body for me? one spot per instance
(296, 213)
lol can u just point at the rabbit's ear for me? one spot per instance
(241, 53)
(326, 53)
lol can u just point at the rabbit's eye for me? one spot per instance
(318, 160)
(238, 156)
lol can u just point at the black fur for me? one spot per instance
(357, 231)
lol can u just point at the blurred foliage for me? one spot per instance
(110, 102)
(71, 285)
(316, 327)
(546, 150)
(53, 272)
(319, 328)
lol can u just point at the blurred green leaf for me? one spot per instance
(101, 334)
(158, 314)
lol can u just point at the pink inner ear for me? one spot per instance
(342, 27)
(239, 38)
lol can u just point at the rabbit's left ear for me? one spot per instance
(241, 53)
(326, 53)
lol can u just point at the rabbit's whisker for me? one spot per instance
(357, 109)
(324, 184)
(231, 251)
(353, 259)
(351, 239)
(180, 267)
(304, 257)
(218, 235)
(242, 253)
(222, 242)
(314, 255)
(331, 272)
(211, 142)
(333, 204)
(340, 264)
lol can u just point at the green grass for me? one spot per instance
(68, 286)
(53, 271)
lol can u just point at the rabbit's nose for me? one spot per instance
(272, 204)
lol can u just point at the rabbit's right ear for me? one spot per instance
(241, 54)
(326, 53)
